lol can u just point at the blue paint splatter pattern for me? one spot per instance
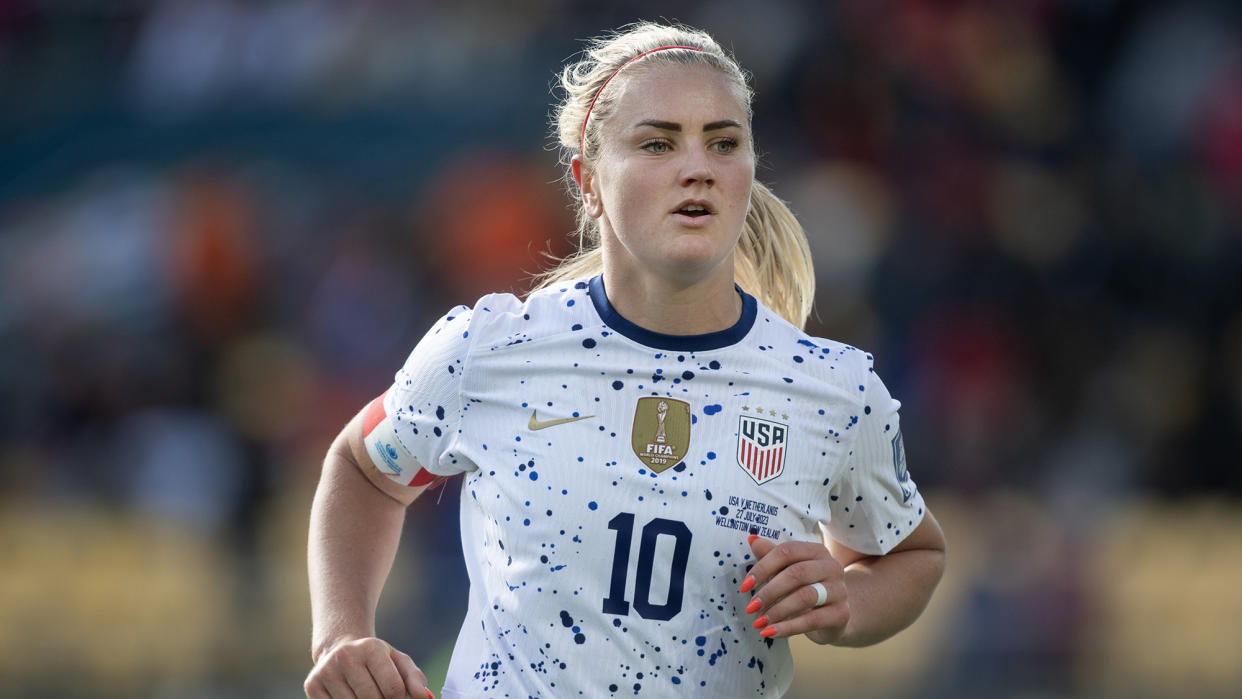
(596, 573)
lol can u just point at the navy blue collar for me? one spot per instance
(676, 343)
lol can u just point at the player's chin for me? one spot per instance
(690, 269)
(697, 250)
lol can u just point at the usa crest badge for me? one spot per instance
(761, 447)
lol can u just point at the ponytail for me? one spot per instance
(773, 260)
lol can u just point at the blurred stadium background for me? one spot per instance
(223, 224)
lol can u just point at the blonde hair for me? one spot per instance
(772, 260)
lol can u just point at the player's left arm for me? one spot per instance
(870, 598)
(887, 593)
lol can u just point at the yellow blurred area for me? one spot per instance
(1165, 617)
(106, 599)
(100, 602)
(99, 595)
(1172, 614)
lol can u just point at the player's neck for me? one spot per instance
(673, 307)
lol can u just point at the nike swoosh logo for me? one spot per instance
(537, 425)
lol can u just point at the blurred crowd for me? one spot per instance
(223, 224)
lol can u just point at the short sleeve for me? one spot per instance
(874, 501)
(417, 421)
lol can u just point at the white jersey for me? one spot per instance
(612, 475)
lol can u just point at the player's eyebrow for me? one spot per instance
(662, 125)
(674, 126)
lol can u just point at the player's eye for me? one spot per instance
(725, 145)
(655, 146)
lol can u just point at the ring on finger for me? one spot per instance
(821, 594)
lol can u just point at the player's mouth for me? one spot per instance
(693, 212)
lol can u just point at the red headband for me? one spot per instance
(582, 139)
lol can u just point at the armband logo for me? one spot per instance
(389, 454)
(382, 443)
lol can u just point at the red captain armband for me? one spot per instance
(389, 455)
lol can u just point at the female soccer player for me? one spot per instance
(664, 477)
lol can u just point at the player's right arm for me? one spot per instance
(355, 526)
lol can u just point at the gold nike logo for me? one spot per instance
(537, 425)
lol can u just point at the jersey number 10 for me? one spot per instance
(615, 602)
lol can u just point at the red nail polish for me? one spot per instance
(751, 539)
(753, 606)
(761, 622)
(768, 632)
(748, 584)
(429, 694)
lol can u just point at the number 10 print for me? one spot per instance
(615, 602)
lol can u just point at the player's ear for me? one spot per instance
(584, 176)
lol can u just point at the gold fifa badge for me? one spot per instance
(661, 434)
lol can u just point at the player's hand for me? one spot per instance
(785, 599)
(366, 668)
